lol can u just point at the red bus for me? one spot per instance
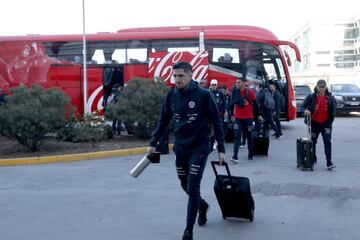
(216, 52)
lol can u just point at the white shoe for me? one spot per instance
(279, 137)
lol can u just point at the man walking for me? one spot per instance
(320, 108)
(276, 114)
(220, 102)
(192, 110)
(243, 99)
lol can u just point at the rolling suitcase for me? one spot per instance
(305, 151)
(233, 195)
(261, 141)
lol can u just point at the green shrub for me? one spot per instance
(139, 106)
(91, 128)
(30, 113)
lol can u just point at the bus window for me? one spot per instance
(136, 55)
(226, 55)
(270, 70)
(98, 56)
(64, 51)
(281, 69)
(255, 71)
(170, 45)
(119, 55)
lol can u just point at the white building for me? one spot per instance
(330, 50)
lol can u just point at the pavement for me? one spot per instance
(98, 199)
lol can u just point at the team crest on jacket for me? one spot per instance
(191, 104)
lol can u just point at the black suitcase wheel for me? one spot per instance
(251, 219)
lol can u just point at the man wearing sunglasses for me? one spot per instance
(192, 110)
(320, 107)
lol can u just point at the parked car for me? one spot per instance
(301, 92)
(347, 97)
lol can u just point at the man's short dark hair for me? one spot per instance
(242, 79)
(271, 82)
(183, 65)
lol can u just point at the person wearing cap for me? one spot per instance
(320, 107)
(192, 110)
(245, 110)
(220, 102)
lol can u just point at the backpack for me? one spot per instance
(269, 102)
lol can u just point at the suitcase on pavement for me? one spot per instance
(233, 195)
(305, 154)
(261, 141)
(305, 151)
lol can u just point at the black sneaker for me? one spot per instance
(187, 235)
(235, 159)
(250, 157)
(203, 209)
(330, 166)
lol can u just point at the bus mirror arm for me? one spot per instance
(292, 45)
(288, 60)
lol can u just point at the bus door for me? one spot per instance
(113, 76)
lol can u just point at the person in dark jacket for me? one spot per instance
(113, 99)
(227, 112)
(192, 110)
(220, 102)
(266, 113)
(276, 113)
(320, 108)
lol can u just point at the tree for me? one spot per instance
(139, 106)
(30, 113)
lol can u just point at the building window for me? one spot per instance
(344, 65)
(323, 52)
(344, 52)
(323, 65)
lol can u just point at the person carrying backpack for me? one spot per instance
(244, 101)
(267, 105)
(278, 99)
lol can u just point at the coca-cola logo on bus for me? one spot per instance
(160, 64)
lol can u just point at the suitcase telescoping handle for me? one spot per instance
(213, 163)
(308, 125)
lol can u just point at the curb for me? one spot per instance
(73, 157)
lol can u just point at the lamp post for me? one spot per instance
(85, 87)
